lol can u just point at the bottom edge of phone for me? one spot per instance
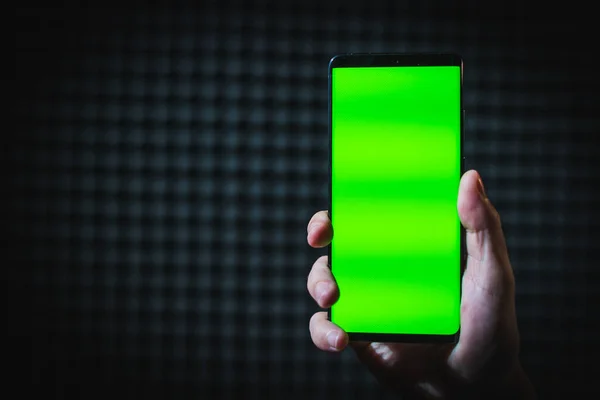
(401, 338)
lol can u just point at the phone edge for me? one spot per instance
(393, 337)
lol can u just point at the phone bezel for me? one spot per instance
(400, 60)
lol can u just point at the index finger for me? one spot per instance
(319, 230)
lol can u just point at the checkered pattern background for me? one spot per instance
(165, 164)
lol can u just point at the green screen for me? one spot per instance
(395, 157)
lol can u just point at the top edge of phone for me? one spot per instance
(395, 59)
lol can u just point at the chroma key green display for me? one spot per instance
(396, 124)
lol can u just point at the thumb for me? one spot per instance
(488, 334)
(484, 237)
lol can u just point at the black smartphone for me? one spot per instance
(396, 162)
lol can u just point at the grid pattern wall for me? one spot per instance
(165, 165)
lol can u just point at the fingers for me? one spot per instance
(319, 230)
(325, 334)
(321, 284)
(480, 219)
(322, 287)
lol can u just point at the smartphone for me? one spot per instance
(396, 128)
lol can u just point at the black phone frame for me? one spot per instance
(399, 60)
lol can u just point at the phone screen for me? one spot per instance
(396, 124)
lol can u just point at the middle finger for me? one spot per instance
(321, 284)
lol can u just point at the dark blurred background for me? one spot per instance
(166, 160)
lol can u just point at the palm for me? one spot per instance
(488, 338)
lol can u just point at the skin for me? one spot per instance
(484, 363)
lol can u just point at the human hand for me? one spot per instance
(484, 363)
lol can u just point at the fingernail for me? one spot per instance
(332, 339)
(481, 188)
(321, 290)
